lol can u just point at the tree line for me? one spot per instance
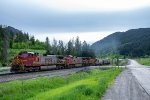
(73, 47)
(11, 38)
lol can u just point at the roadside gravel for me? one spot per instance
(132, 84)
(126, 87)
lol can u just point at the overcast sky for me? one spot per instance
(91, 20)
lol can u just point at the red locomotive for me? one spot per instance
(30, 61)
(24, 61)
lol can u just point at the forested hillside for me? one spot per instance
(18, 39)
(13, 41)
(134, 42)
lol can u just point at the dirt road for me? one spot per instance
(142, 74)
(131, 84)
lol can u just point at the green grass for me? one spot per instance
(89, 85)
(122, 62)
(144, 61)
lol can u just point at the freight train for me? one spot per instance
(30, 61)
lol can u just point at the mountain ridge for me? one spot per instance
(129, 42)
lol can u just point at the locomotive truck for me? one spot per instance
(30, 61)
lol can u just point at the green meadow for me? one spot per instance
(144, 61)
(84, 85)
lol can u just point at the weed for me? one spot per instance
(89, 85)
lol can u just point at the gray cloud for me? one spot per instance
(40, 20)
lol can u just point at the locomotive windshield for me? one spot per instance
(23, 54)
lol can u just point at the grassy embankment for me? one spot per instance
(121, 62)
(144, 61)
(88, 85)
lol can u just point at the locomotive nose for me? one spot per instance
(16, 61)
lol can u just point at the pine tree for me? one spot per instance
(5, 47)
(77, 46)
(61, 48)
(32, 39)
(54, 47)
(47, 46)
(69, 48)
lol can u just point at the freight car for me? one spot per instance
(99, 61)
(30, 61)
(106, 61)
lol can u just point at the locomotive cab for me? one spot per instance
(24, 61)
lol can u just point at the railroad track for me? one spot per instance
(6, 77)
(11, 73)
(3, 74)
(54, 69)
